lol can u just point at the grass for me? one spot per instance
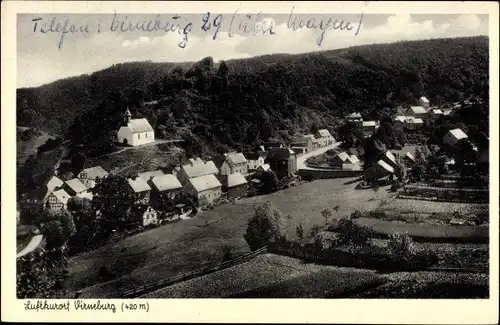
(273, 276)
(174, 248)
(138, 159)
(25, 148)
(425, 207)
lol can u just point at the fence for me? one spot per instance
(139, 291)
(328, 173)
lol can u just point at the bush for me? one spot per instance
(351, 234)
(315, 230)
(264, 227)
(401, 247)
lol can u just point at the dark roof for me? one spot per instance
(253, 155)
(278, 154)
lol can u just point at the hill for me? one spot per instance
(240, 103)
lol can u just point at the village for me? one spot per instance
(198, 184)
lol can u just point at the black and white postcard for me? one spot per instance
(276, 161)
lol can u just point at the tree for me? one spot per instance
(269, 181)
(264, 227)
(326, 213)
(34, 279)
(349, 233)
(113, 198)
(401, 247)
(300, 231)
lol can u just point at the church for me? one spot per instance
(135, 132)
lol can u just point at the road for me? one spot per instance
(302, 159)
(36, 241)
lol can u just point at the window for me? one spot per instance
(138, 135)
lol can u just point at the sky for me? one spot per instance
(98, 41)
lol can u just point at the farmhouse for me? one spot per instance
(354, 159)
(54, 183)
(399, 121)
(354, 118)
(263, 168)
(196, 169)
(89, 176)
(141, 190)
(143, 214)
(302, 145)
(206, 188)
(414, 123)
(234, 163)
(324, 138)
(314, 141)
(454, 136)
(383, 169)
(235, 185)
(341, 159)
(369, 126)
(167, 184)
(57, 200)
(436, 114)
(424, 102)
(417, 112)
(135, 132)
(282, 161)
(254, 160)
(74, 187)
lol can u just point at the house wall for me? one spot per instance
(237, 191)
(254, 164)
(142, 197)
(182, 176)
(225, 169)
(53, 203)
(143, 138)
(125, 133)
(150, 217)
(209, 196)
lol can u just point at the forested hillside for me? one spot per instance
(239, 103)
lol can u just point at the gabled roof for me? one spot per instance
(200, 169)
(166, 182)
(324, 133)
(147, 175)
(385, 166)
(458, 134)
(279, 153)
(139, 210)
(236, 158)
(437, 111)
(344, 156)
(354, 159)
(204, 182)
(369, 123)
(61, 195)
(410, 156)
(253, 155)
(53, 183)
(138, 184)
(447, 112)
(390, 156)
(418, 109)
(264, 167)
(76, 185)
(400, 118)
(235, 179)
(94, 172)
(354, 115)
(412, 120)
(139, 125)
(312, 137)
(424, 99)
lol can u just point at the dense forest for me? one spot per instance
(239, 103)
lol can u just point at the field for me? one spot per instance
(426, 207)
(140, 159)
(182, 246)
(25, 148)
(274, 276)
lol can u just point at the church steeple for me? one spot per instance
(127, 117)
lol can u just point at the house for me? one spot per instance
(168, 184)
(89, 176)
(324, 138)
(271, 145)
(314, 141)
(354, 118)
(417, 112)
(436, 114)
(54, 183)
(263, 168)
(135, 132)
(399, 121)
(141, 190)
(254, 160)
(383, 169)
(369, 126)
(234, 163)
(206, 188)
(354, 159)
(341, 159)
(74, 187)
(424, 102)
(282, 161)
(148, 175)
(235, 185)
(56, 200)
(143, 214)
(303, 143)
(413, 123)
(390, 159)
(196, 169)
(409, 159)
(454, 136)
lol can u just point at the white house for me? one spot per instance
(144, 214)
(135, 132)
(74, 187)
(414, 123)
(454, 136)
(57, 200)
(417, 112)
(254, 160)
(436, 113)
(148, 175)
(196, 169)
(324, 138)
(234, 163)
(166, 184)
(206, 188)
(141, 190)
(89, 176)
(424, 102)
